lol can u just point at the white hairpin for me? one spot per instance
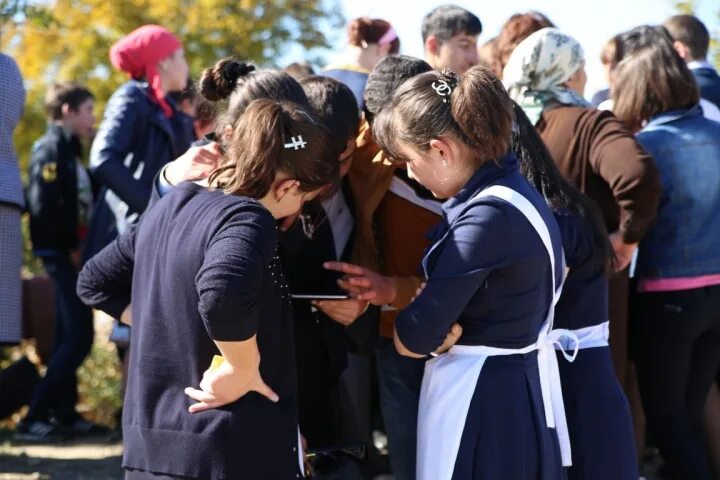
(296, 143)
(442, 88)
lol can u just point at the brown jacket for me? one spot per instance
(402, 225)
(600, 156)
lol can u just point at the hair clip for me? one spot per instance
(442, 88)
(296, 143)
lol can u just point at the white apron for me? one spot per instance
(450, 379)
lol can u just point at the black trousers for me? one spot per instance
(678, 357)
(56, 393)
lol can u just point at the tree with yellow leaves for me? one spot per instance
(70, 39)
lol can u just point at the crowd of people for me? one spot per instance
(520, 281)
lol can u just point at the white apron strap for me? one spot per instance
(548, 339)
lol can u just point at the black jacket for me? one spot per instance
(52, 192)
(134, 141)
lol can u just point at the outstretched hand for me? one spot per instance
(364, 284)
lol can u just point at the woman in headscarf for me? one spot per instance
(545, 75)
(141, 130)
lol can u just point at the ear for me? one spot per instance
(431, 45)
(682, 50)
(227, 132)
(441, 149)
(65, 109)
(283, 187)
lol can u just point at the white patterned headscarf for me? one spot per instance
(539, 66)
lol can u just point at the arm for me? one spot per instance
(115, 139)
(367, 285)
(475, 246)
(619, 159)
(228, 285)
(105, 282)
(45, 195)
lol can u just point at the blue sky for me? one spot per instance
(591, 22)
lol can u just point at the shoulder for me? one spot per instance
(45, 145)
(132, 93)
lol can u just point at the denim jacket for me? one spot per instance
(684, 241)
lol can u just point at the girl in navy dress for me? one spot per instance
(598, 414)
(495, 267)
(206, 279)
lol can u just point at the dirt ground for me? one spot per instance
(70, 461)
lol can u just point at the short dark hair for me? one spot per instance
(691, 32)
(298, 70)
(62, 93)
(336, 106)
(446, 21)
(477, 112)
(650, 76)
(386, 77)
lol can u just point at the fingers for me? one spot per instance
(267, 392)
(205, 400)
(344, 268)
(348, 287)
(450, 339)
(199, 395)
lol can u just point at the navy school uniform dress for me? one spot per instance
(482, 412)
(598, 414)
(203, 267)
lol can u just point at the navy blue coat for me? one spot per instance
(709, 83)
(134, 142)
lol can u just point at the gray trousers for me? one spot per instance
(11, 251)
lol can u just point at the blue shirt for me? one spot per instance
(490, 273)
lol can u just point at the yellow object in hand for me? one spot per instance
(216, 362)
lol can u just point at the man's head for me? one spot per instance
(72, 106)
(690, 36)
(450, 38)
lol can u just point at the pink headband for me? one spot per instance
(388, 37)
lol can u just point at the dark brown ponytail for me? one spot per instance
(474, 108)
(257, 151)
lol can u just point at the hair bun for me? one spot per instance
(450, 77)
(218, 82)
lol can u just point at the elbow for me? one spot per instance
(402, 349)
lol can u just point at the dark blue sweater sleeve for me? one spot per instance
(476, 244)
(232, 272)
(114, 141)
(105, 282)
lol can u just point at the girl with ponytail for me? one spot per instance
(202, 270)
(496, 268)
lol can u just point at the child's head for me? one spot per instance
(386, 77)
(71, 105)
(240, 83)
(450, 36)
(445, 127)
(279, 153)
(337, 108)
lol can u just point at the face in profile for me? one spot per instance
(82, 120)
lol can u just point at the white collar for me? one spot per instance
(695, 64)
